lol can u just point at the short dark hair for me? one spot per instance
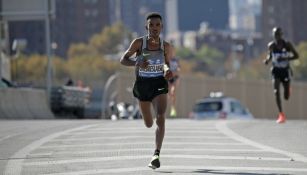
(153, 15)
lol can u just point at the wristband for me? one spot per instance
(165, 67)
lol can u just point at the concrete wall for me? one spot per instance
(256, 95)
(24, 103)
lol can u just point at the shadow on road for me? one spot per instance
(237, 173)
(205, 171)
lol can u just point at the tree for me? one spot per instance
(300, 65)
(80, 49)
(110, 39)
(184, 53)
(255, 69)
(212, 59)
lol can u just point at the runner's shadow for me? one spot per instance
(204, 171)
(229, 173)
(165, 172)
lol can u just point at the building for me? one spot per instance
(192, 13)
(244, 15)
(185, 16)
(290, 15)
(75, 21)
(132, 12)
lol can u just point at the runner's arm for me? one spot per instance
(269, 55)
(167, 55)
(133, 48)
(295, 55)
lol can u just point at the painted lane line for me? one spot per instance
(135, 157)
(136, 137)
(193, 169)
(146, 129)
(8, 136)
(14, 166)
(142, 149)
(141, 131)
(134, 143)
(222, 127)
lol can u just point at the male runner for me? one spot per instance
(152, 73)
(280, 52)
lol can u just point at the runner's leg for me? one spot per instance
(145, 107)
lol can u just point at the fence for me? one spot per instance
(256, 95)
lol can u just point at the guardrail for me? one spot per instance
(24, 103)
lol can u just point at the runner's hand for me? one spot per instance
(266, 61)
(168, 75)
(143, 63)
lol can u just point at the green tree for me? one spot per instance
(80, 49)
(212, 59)
(185, 53)
(300, 65)
(110, 39)
(255, 69)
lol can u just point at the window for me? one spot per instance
(237, 108)
(208, 107)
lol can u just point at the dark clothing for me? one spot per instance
(282, 74)
(173, 79)
(280, 69)
(146, 89)
(280, 50)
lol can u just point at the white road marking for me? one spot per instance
(177, 168)
(110, 137)
(203, 128)
(41, 154)
(142, 131)
(135, 143)
(9, 136)
(135, 157)
(14, 166)
(5, 137)
(222, 126)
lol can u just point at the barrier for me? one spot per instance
(24, 103)
(257, 95)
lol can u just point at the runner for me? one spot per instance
(173, 82)
(280, 52)
(152, 73)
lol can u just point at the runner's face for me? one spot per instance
(277, 34)
(154, 27)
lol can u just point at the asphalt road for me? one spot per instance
(77, 147)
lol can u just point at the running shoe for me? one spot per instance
(155, 162)
(281, 118)
(173, 112)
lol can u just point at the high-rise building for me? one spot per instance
(290, 15)
(192, 13)
(132, 12)
(75, 21)
(244, 15)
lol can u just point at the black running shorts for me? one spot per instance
(146, 89)
(282, 74)
(173, 79)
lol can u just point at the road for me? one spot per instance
(79, 147)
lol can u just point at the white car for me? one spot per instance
(219, 107)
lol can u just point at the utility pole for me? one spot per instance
(48, 50)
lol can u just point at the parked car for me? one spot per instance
(217, 106)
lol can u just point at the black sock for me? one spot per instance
(157, 152)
